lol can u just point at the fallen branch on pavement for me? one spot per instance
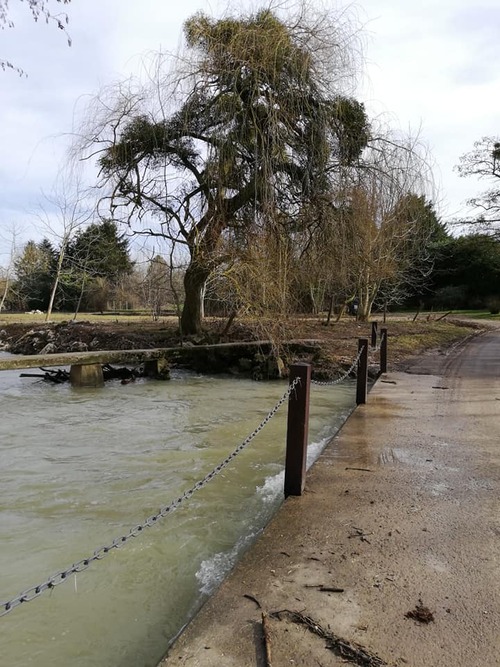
(267, 641)
(353, 653)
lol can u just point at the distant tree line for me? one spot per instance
(466, 274)
(95, 260)
(98, 274)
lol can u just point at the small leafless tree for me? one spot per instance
(386, 223)
(484, 163)
(9, 269)
(371, 230)
(65, 211)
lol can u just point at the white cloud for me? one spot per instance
(431, 65)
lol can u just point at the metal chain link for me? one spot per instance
(377, 349)
(81, 565)
(342, 377)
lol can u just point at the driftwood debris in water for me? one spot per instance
(353, 653)
(111, 373)
(59, 375)
(55, 375)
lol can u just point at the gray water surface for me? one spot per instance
(79, 467)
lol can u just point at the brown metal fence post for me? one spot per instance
(297, 428)
(373, 341)
(383, 351)
(362, 374)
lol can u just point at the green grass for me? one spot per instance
(476, 314)
(436, 314)
(28, 318)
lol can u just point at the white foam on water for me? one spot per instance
(213, 570)
(273, 485)
(272, 488)
(315, 449)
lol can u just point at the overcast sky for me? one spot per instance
(431, 65)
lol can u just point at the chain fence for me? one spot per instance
(99, 553)
(343, 377)
(382, 338)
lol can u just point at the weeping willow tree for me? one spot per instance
(245, 131)
(373, 242)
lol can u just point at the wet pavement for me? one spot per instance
(400, 514)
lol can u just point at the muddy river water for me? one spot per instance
(79, 467)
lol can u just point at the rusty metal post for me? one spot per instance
(362, 374)
(383, 351)
(373, 341)
(297, 429)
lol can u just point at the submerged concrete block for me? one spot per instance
(86, 375)
(157, 368)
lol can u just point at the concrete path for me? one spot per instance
(400, 517)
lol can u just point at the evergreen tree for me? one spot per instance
(34, 272)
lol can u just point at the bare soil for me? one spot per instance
(336, 345)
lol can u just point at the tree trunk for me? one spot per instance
(194, 289)
(5, 292)
(52, 297)
(77, 310)
(203, 292)
(60, 260)
(330, 310)
(367, 297)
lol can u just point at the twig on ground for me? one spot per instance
(267, 641)
(254, 599)
(359, 533)
(354, 653)
(421, 613)
(325, 589)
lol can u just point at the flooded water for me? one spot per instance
(79, 467)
